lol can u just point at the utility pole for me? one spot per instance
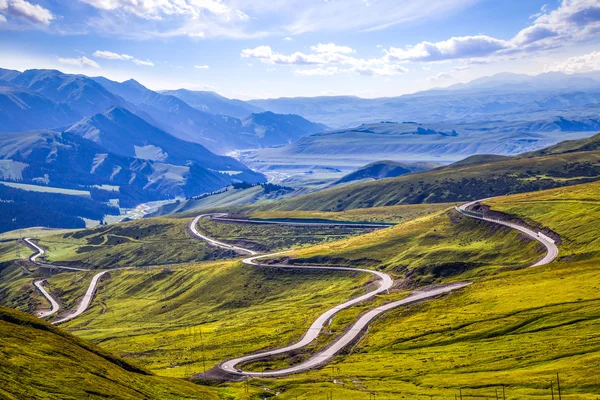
(552, 389)
(558, 386)
(202, 351)
(461, 394)
(497, 394)
(503, 392)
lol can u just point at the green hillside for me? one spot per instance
(44, 362)
(474, 178)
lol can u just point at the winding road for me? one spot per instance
(385, 282)
(85, 302)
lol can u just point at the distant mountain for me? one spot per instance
(219, 133)
(214, 103)
(121, 132)
(272, 129)
(386, 169)
(476, 177)
(68, 160)
(8, 74)
(504, 98)
(79, 92)
(410, 141)
(22, 109)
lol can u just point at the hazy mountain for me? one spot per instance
(386, 169)
(272, 129)
(8, 74)
(214, 103)
(123, 133)
(71, 161)
(79, 92)
(22, 109)
(503, 97)
(411, 141)
(219, 133)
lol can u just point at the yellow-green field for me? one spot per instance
(514, 327)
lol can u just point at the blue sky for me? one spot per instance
(273, 48)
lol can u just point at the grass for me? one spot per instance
(47, 189)
(430, 249)
(155, 317)
(516, 327)
(274, 237)
(144, 242)
(457, 183)
(31, 348)
(392, 214)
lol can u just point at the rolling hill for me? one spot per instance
(386, 169)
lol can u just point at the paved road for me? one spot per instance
(385, 282)
(84, 304)
(551, 248)
(53, 303)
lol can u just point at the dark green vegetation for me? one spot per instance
(386, 169)
(44, 362)
(267, 238)
(469, 179)
(51, 209)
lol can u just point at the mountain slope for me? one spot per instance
(470, 179)
(42, 361)
(386, 169)
(272, 129)
(22, 109)
(123, 133)
(79, 92)
(214, 103)
(69, 161)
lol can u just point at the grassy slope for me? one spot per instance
(517, 328)
(427, 249)
(155, 316)
(31, 348)
(461, 182)
(392, 214)
(143, 242)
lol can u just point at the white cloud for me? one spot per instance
(317, 71)
(332, 48)
(109, 55)
(572, 21)
(201, 66)
(330, 58)
(24, 9)
(289, 39)
(453, 48)
(81, 62)
(2, 18)
(158, 9)
(260, 18)
(442, 76)
(585, 63)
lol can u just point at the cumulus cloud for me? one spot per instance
(585, 63)
(109, 55)
(453, 48)
(330, 58)
(201, 66)
(442, 76)
(158, 9)
(81, 62)
(572, 21)
(2, 18)
(23, 9)
(332, 48)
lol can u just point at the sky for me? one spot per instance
(286, 48)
